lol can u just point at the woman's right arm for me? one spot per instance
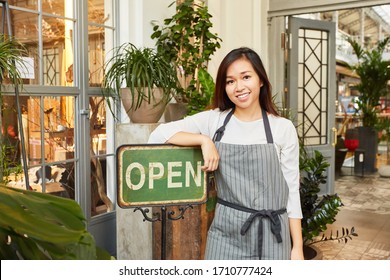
(195, 130)
(209, 151)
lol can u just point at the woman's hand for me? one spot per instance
(210, 154)
(297, 254)
(297, 242)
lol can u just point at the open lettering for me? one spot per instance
(171, 173)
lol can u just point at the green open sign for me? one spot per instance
(152, 175)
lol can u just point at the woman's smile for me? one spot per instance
(243, 96)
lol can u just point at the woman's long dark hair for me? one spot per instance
(222, 101)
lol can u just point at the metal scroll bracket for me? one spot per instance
(163, 216)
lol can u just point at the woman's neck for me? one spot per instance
(248, 115)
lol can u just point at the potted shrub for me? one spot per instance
(186, 40)
(142, 79)
(374, 73)
(318, 212)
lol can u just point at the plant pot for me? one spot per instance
(175, 111)
(147, 112)
(368, 141)
(311, 252)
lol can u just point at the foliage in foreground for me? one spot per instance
(39, 226)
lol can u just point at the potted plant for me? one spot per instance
(142, 79)
(186, 40)
(374, 73)
(318, 212)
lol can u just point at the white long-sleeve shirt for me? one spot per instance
(246, 133)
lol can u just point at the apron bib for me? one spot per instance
(250, 218)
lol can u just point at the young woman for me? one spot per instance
(254, 154)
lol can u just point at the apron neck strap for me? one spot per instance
(220, 131)
(267, 127)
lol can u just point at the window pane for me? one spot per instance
(25, 29)
(100, 202)
(56, 7)
(58, 52)
(55, 140)
(98, 125)
(97, 12)
(10, 142)
(33, 4)
(96, 46)
(48, 128)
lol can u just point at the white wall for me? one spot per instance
(135, 17)
(239, 23)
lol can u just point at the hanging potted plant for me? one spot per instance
(142, 79)
(186, 40)
(374, 73)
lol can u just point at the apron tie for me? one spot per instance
(272, 215)
(220, 131)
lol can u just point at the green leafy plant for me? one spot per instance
(199, 102)
(186, 40)
(140, 70)
(11, 53)
(318, 212)
(39, 226)
(374, 73)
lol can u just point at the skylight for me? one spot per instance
(383, 12)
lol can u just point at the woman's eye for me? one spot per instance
(246, 77)
(229, 82)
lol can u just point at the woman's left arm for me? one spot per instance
(290, 166)
(296, 236)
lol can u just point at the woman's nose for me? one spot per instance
(239, 86)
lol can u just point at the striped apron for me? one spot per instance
(250, 218)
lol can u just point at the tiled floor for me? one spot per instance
(367, 208)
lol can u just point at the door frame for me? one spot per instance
(327, 147)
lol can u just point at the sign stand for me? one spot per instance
(160, 175)
(163, 216)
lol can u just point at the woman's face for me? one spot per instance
(243, 84)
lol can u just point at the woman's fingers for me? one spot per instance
(210, 155)
(210, 165)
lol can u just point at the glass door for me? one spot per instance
(312, 86)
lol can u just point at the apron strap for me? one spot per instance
(220, 131)
(268, 133)
(272, 215)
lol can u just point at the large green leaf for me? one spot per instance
(41, 226)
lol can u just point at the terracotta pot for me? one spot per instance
(147, 112)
